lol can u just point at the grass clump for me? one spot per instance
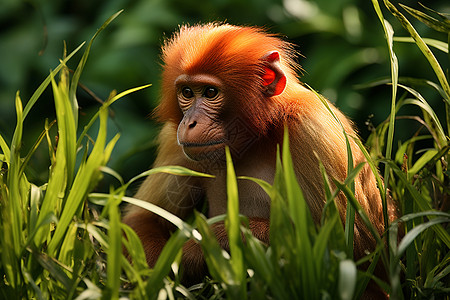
(47, 248)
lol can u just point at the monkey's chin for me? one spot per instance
(201, 152)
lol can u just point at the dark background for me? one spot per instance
(341, 43)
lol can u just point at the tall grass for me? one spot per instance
(54, 245)
(46, 248)
(421, 184)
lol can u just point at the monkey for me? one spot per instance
(236, 86)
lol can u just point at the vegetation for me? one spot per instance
(63, 238)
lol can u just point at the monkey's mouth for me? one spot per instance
(201, 151)
(196, 145)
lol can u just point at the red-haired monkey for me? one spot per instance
(237, 86)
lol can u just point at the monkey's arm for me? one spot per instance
(176, 194)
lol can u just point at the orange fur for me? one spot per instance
(233, 55)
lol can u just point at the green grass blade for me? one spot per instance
(67, 125)
(432, 280)
(34, 148)
(173, 170)
(389, 34)
(44, 221)
(113, 173)
(5, 150)
(233, 229)
(114, 251)
(10, 208)
(350, 213)
(361, 212)
(76, 76)
(183, 226)
(403, 148)
(56, 270)
(129, 91)
(57, 183)
(134, 248)
(422, 103)
(81, 184)
(218, 265)
(423, 160)
(66, 251)
(373, 168)
(31, 282)
(46, 82)
(164, 262)
(36, 197)
(423, 47)
(107, 104)
(442, 46)
(13, 181)
(413, 233)
(303, 223)
(263, 184)
(422, 204)
(322, 241)
(256, 256)
(442, 26)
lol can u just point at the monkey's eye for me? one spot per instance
(187, 92)
(210, 92)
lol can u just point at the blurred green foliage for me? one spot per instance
(340, 42)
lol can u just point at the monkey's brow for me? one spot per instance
(201, 79)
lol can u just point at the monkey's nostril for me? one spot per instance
(193, 124)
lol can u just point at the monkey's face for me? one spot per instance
(201, 133)
(212, 106)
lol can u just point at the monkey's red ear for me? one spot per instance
(274, 79)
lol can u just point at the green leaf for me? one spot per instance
(255, 254)
(422, 204)
(219, 266)
(442, 26)
(46, 82)
(361, 212)
(421, 162)
(322, 240)
(422, 103)
(389, 34)
(5, 150)
(56, 270)
(14, 206)
(114, 252)
(442, 46)
(402, 149)
(301, 217)
(134, 248)
(412, 234)
(76, 75)
(106, 104)
(58, 179)
(233, 230)
(183, 226)
(423, 47)
(81, 184)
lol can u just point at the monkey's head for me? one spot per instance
(223, 85)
